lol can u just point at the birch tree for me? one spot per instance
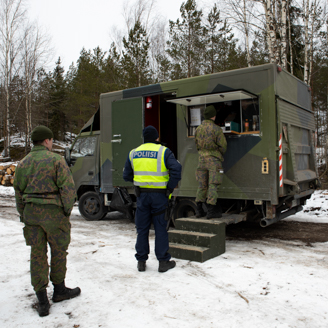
(12, 15)
(291, 57)
(243, 15)
(139, 11)
(314, 19)
(269, 8)
(283, 50)
(307, 41)
(36, 49)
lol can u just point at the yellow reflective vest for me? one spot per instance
(149, 170)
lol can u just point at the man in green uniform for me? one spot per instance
(45, 195)
(211, 145)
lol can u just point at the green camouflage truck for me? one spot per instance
(265, 114)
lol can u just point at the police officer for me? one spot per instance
(155, 172)
(211, 145)
(45, 195)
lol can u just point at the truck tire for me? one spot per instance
(91, 207)
(184, 209)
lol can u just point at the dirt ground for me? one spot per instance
(285, 230)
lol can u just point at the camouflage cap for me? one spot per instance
(210, 112)
(41, 133)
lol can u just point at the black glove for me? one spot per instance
(168, 192)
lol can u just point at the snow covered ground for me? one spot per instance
(18, 140)
(267, 283)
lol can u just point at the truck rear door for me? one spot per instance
(127, 125)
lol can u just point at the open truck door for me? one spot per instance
(127, 125)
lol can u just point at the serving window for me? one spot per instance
(237, 112)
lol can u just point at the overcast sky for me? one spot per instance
(74, 24)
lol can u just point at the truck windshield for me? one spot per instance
(84, 147)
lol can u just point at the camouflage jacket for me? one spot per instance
(43, 177)
(210, 140)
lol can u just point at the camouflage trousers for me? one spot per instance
(46, 224)
(209, 176)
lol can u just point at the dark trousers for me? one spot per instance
(148, 204)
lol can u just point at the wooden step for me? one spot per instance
(193, 238)
(197, 239)
(191, 253)
(200, 225)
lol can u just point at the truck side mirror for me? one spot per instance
(68, 156)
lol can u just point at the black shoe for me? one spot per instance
(141, 266)
(199, 210)
(62, 293)
(43, 306)
(213, 212)
(165, 265)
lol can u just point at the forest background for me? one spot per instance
(232, 34)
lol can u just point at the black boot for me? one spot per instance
(218, 209)
(165, 265)
(61, 292)
(141, 266)
(213, 212)
(199, 210)
(43, 306)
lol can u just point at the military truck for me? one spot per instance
(265, 114)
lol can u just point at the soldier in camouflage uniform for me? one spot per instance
(211, 145)
(45, 195)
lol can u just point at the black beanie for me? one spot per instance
(41, 133)
(150, 134)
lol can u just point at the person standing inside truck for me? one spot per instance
(211, 145)
(155, 172)
(45, 195)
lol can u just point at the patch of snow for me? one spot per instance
(7, 191)
(18, 140)
(271, 283)
(315, 210)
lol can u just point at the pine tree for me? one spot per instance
(134, 61)
(218, 42)
(185, 44)
(58, 122)
(164, 68)
(112, 70)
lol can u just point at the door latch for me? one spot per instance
(117, 140)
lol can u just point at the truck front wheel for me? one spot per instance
(185, 208)
(91, 207)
